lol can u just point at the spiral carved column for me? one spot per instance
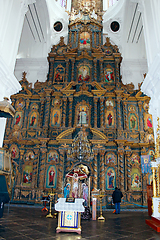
(61, 170)
(35, 168)
(95, 170)
(101, 70)
(140, 115)
(47, 106)
(51, 70)
(101, 113)
(67, 69)
(125, 114)
(64, 111)
(70, 112)
(72, 74)
(26, 114)
(95, 69)
(19, 177)
(121, 169)
(41, 111)
(42, 164)
(102, 172)
(95, 112)
(128, 170)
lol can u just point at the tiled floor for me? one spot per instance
(30, 223)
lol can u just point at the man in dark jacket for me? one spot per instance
(117, 195)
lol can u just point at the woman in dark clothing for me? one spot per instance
(117, 195)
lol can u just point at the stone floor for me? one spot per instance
(30, 223)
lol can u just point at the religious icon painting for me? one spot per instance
(55, 118)
(29, 156)
(52, 156)
(59, 74)
(148, 121)
(14, 151)
(18, 119)
(34, 107)
(110, 158)
(19, 103)
(51, 178)
(83, 115)
(150, 138)
(33, 119)
(56, 103)
(146, 106)
(135, 179)
(132, 108)
(84, 41)
(109, 75)
(110, 179)
(27, 175)
(135, 159)
(83, 74)
(109, 117)
(109, 103)
(133, 122)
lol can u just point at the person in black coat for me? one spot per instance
(116, 196)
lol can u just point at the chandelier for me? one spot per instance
(81, 148)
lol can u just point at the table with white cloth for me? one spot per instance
(69, 215)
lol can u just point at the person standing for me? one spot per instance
(116, 196)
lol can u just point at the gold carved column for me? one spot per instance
(51, 70)
(101, 71)
(154, 182)
(42, 162)
(95, 112)
(67, 69)
(121, 167)
(95, 170)
(127, 169)
(72, 74)
(26, 115)
(102, 171)
(64, 111)
(61, 171)
(70, 111)
(47, 106)
(42, 100)
(101, 113)
(95, 69)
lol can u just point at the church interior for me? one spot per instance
(79, 106)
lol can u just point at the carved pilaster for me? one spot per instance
(26, 113)
(95, 69)
(70, 112)
(64, 111)
(102, 112)
(140, 115)
(95, 112)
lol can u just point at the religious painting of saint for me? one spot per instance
(110, 179)
(29, 156)
(51, 177)
(27, 175)
(150, 179)
(83, 74)
(83, 113)
(132, 108)
(109, 75)
(84, 40)
(55, 118)
(135, 179)
(110, 158)
(133, 123)
(85, 193)
(56, 103)
(109, 116)
(59, 74)
(135, 159)
(14, 151)
(33, 119)
(52, 156)
(146, 106)
(148, 121)
(20, 104)
(109, 103)
(67, 189)
(18, 119)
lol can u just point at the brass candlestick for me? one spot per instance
(100, 196)
(50, 204)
